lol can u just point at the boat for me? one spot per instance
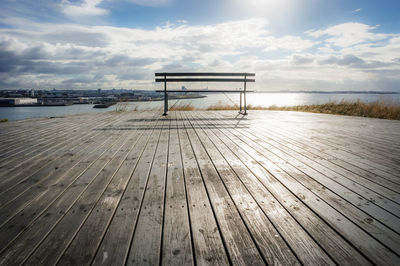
(103, 105)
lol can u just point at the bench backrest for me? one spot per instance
(204, 77)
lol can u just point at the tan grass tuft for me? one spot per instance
(379, 109)
(182, 107)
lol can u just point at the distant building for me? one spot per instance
(15, 95)
(17, 101)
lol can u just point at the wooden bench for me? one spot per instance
(205, 77)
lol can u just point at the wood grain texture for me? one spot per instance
(200, 188)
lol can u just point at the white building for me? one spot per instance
(17, 101)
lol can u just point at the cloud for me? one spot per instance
(84, 8)
(346, 60)
(348, 34)
(78, 37)
(298, 59)
(356, 10)
(45, 55)
(292, 43)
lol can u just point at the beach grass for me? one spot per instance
(2, 120)
(216, 107)
(377, 109)
(182, 107)
(384, 109)
(120, 108)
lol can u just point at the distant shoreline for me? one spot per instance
(171, 97)
(333, 92)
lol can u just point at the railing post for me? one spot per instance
(245, 98)
(165, 95)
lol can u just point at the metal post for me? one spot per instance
(240, 106)
(165, 95)
(245, 102)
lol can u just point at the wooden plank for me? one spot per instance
(306, 249)
(348, 156)
(356, 175)
(297, 143)
(358, 160)
(92, 231)
(20, 141)
(34, 143)
(23, 144)
(277, 140)
(53, 246)
(269, 242)
(271, 177)
(43, 156)
(238, 242)
(339, 135)
(21, 150)
(177, 241)
(47, 173)
(23, 130)
(146, 243)
(360, 147)
(374, 130)
(19, 250)
(115, 245)
(371, 248)
(349, 190)
(22, 220)
(307, 177)
(25, 190)
(207, 242)
(37, 128)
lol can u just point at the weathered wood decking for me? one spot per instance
(200, 188)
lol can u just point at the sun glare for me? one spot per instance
(273, 10)
(268, 4)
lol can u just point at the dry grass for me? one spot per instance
(378, 109)
(121, 107)
(124, 107)
(182, 107)
(216, 107)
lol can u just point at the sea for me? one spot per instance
(255, 99)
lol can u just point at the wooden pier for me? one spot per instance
(199, 188)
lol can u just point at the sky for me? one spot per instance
(322, 45)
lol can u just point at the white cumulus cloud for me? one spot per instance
(345, 56)
(84, 8)
(347, 34)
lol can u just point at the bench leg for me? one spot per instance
(165, 96)
(165, 104)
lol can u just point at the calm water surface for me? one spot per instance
(17, 113)
(262, 99)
